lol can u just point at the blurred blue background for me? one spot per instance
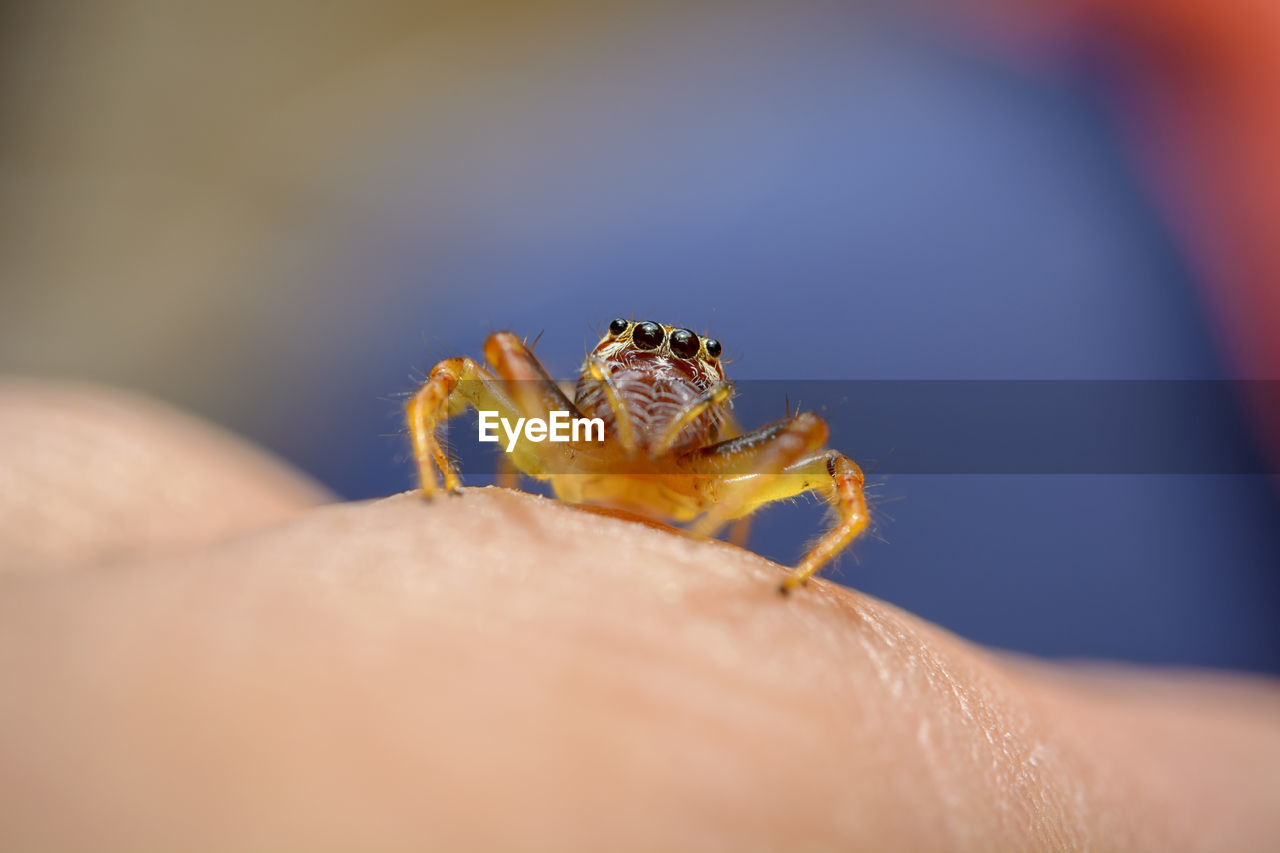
(833, 191)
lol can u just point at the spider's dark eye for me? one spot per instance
(618, 326)
(684, 343)
(713, 347)
(648, 336)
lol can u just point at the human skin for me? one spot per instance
(499, 671)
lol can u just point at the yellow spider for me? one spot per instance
(671, 449)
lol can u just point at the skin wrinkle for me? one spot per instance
(1205, 734)
(974, 696)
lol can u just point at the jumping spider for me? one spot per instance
(671, 450)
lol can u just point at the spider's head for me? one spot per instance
(656, 372)
(636, 344)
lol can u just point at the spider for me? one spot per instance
(671, 449)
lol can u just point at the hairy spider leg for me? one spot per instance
(456, 383)
(839, 480)
(740, 530)
(438, 400)
(738, 467)
(785, 459)
(527, 382)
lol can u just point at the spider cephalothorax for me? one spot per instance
(670, 448)
(656, 373)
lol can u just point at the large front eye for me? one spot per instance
(648, 336)
(684, 343)
(618, 326)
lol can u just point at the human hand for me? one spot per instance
(227, 664)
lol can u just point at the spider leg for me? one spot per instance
(526, 380)
(599, 373)
(839, 480)
(508, 474)
(714, 396)
(450, 386)
(520, 389)
(783, 460)
(740, 532)
(737, 468)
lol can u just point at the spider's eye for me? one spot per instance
(684, 343)
(713, 347)
(618, 326)
(648, 336)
